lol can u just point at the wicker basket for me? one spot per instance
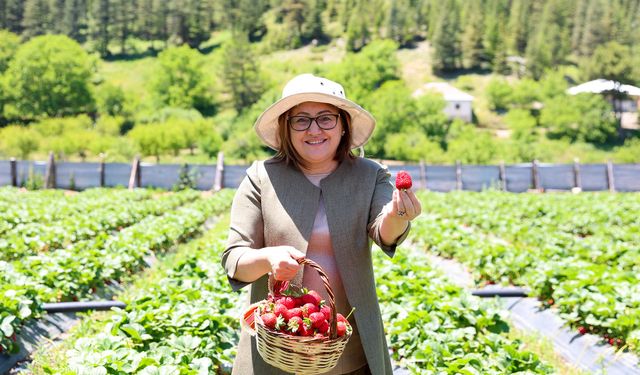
(298, 354)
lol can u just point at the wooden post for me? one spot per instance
(101, 170)
(423, 174)
(503, 176)
(14, 171)
(218, 180)
(134, 178)
(577, 180)
(534, 175)
(50, 174)
(610, 180)
(458, 175)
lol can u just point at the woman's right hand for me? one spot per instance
(283, 262)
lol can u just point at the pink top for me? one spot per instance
(320, 250)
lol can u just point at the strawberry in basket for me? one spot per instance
(296, 330)
(300, 312)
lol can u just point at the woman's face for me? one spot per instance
(315, 145)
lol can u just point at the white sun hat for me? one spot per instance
(309, 88)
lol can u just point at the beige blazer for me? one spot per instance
(276, 205)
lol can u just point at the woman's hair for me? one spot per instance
(288, 153)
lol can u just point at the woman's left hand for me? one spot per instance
(405, 205)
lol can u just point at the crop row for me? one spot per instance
(184, 321)
(87, 222)
(80, 269)
(437, 328)
(19, 207)
(577, 253)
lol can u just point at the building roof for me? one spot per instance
(449, 92)
(599, 86)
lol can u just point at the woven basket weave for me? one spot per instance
(299, 354)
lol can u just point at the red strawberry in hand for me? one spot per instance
(403, 180)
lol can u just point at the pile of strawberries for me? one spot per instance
(302, 314)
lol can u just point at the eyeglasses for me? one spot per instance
(302, 123)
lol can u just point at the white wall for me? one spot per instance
(459, 109)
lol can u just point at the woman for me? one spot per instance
(315, 199)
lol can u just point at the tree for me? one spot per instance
(597, 28)
(446, 45)
(180, 80)
(358, 34)
(470, 146)
(398, 22)
(583, 117)
(11, 13)
(550, 44)
(499, 94)
(364, 72)
(101, 15)
(110, 100)
(36, 18)
(9, 43)
(51, 76)
(19, 141)
(75, 19)
(609, 61)
(472, 43)
(313, 28)
(517, 33)
(151, 139)
(241, 73)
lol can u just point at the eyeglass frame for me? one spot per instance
(312, 119)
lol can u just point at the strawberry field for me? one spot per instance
(576, 252)
(579, 254)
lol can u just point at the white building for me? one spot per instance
(459, 103)
(625, 105)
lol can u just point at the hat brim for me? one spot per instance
(362, 122)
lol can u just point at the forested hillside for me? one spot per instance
(183, 79)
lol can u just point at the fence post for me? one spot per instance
(134, 178)
(101, 168)
(423, 174)
(577, 180)
(610, 180)
(458, 175)
(534, 175)
(14, 171)
(218, 181)
(503, 176)
(50, 174)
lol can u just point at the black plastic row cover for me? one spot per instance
(81, 306)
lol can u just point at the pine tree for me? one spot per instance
(357, 33)
(100, 19)
(518, 26)
(550, 45)
(446, 45)
(11, 17)
(472, 43)
(160, 20)
(36, 18)
(3, 15)
(75, 19)
(241, 73)
(579, 20)
(313, 24)
(597, 27)
(398, 22)
(144, 23)
(56, 15)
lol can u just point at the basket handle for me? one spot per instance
(279, 285)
